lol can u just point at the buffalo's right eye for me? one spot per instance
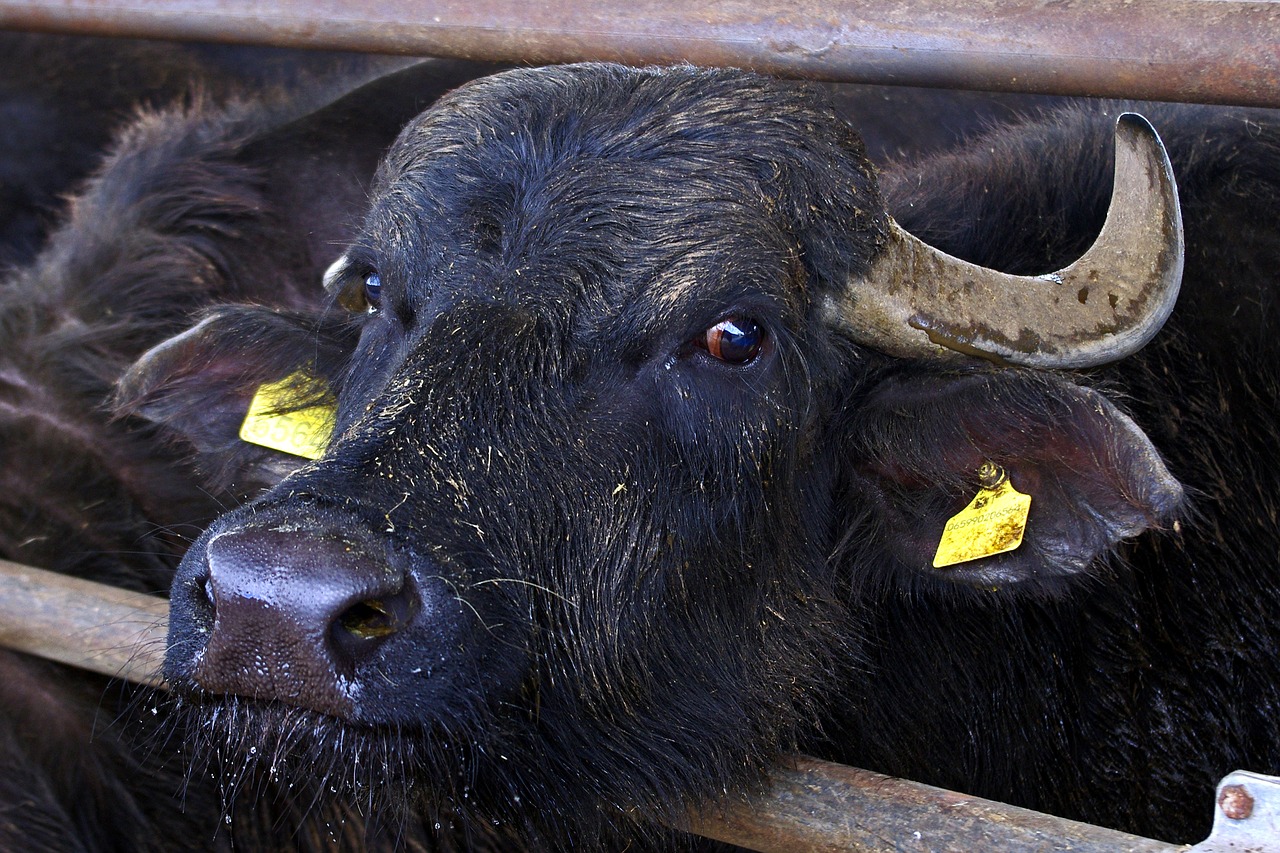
(362, 294)
(372, 292)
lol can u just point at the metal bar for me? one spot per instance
(1208, 51)
(101, 628)
(818, 806)
(811, 805)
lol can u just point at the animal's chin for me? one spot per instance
(315, 761)
(382, 787)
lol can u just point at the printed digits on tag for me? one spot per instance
(280, 430)
(304, 435)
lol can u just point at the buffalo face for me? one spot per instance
(565, 538)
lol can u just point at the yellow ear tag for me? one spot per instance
(992, 523)
(303, 432)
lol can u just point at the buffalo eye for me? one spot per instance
(734, 340)
(362, 294)
(372, 292)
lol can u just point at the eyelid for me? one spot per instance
(345, 279)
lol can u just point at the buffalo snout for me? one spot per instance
(309, 613)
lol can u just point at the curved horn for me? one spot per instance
(920, 302)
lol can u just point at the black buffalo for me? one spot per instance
(62, 99)
(216, 199)
(648, 422)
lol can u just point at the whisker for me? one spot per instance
(449, 582)
(529, 583)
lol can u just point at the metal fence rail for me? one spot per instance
(1206, 51)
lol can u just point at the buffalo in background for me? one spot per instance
(63, 98)
(616, 512)
(235, 192)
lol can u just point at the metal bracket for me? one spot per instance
(1247, 817)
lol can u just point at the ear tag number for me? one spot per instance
(992, 523)
(301, 432)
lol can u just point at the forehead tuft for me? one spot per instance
(607, 110)
(601, 178)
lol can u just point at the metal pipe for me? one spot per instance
(818, 806)
(810, 805)
(101, 628)
(1207, 51)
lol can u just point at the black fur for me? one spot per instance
(63, 98)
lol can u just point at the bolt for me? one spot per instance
(1235, 802)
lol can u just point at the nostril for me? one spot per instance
(363, 626)
(369, 620)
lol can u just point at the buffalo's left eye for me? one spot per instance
(736, 340)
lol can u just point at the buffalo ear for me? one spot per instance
(918, 441)
(196, 386)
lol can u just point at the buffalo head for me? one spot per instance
(637, 383)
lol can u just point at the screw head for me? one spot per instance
(1236, 802)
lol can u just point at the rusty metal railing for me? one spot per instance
(1205, 51)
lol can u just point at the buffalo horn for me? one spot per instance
(920, 302)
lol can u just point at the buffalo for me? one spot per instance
(647, 419)
(63, 98)
(217, 198)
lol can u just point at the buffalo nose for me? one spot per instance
(295, 613)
